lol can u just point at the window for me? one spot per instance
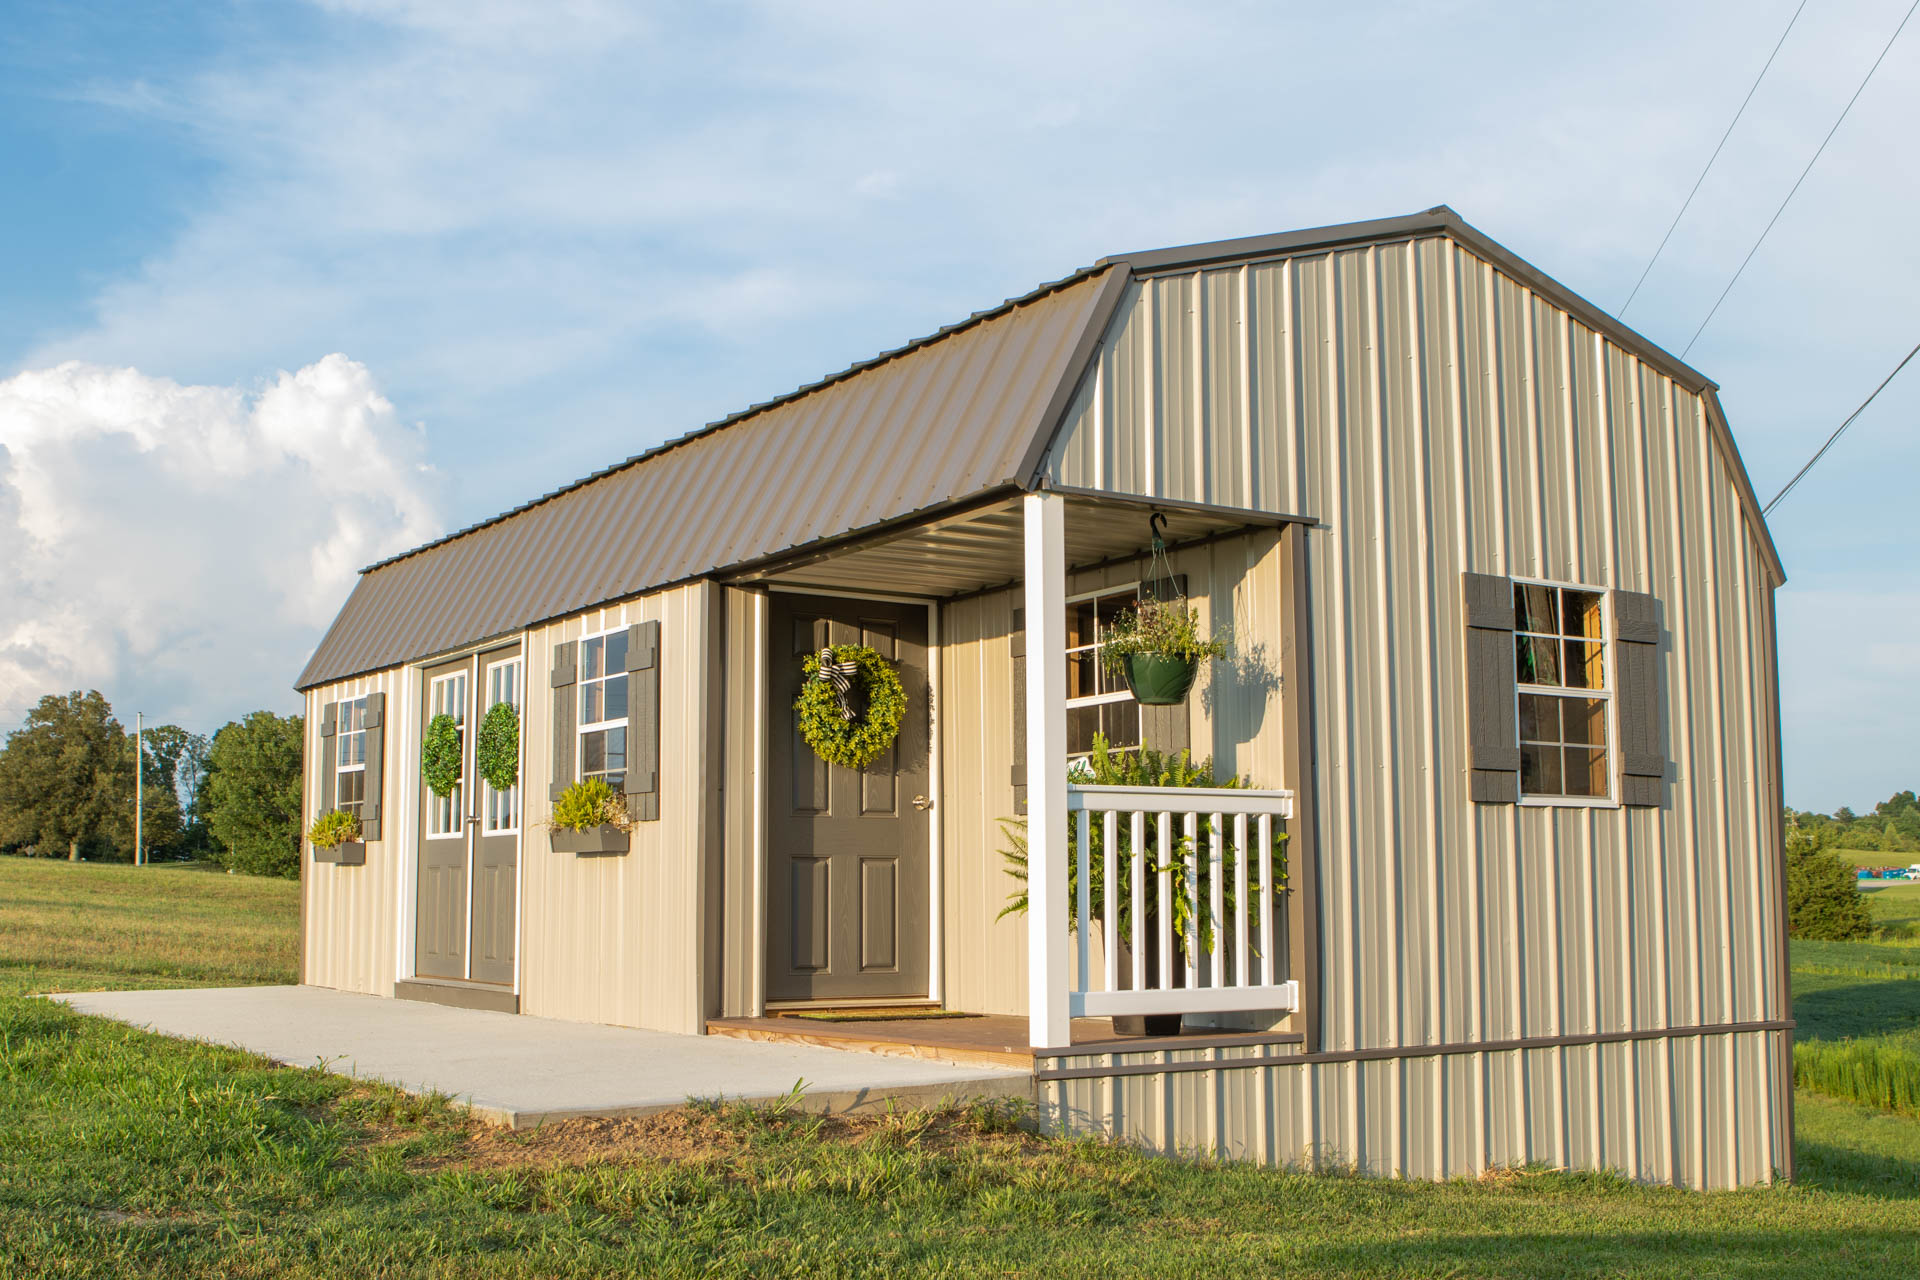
(603, 708)
(350, 757)
(500, 810)
(448, 696)
(1560, 656)
(1097, 702)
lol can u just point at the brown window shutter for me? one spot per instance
(329, 756)
(1493, 736)
(563, 682)
(1017, 646)
(1636, 665)
(643, 722)
(376, 721)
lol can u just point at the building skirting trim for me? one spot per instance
(459, 995)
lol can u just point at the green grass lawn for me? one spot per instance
(128, 1154)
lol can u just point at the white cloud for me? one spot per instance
(181, 547)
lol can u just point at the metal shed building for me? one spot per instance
(1503, 672)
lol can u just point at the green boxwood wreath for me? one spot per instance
(440, 755)
(856, 743)
(496, 753)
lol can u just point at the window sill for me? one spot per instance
(1568, 802)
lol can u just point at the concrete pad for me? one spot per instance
(521, 1071)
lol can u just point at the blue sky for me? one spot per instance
(290, 286)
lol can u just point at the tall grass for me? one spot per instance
(1881, 1072)
(1858, 1008)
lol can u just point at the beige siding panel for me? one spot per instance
(618, 939)
(1436, 416)
(350, 916)
(741, 782)
(1349, 1115)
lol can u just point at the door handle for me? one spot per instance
(922, 803)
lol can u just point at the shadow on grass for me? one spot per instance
(1835, 1168)
(1688, 1253)
(1858, 1009)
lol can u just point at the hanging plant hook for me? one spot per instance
(1157, 526)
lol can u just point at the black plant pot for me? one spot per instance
(1147, 1024)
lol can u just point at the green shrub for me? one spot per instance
(586, 805)
(1823, 900)
(333, 828)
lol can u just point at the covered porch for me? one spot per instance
(1210, 945)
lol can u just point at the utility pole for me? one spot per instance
(139, 790)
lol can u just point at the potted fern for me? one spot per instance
(589, 817)
(1157, 648)
(335, 837)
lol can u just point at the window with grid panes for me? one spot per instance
(1096, 701)
(350, 757)
(603, 708)
(1564, 692)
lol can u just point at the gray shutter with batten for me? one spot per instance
(1168, 730)
(1636, 698)
(643, 721)
(564, 682)
(329, 757)
(1493, 737)
(1017, 646)
(375, 720)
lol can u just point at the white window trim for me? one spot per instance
(340, 738)
(1612, 799)
(582, 729)
(459, 831)
(519, 705)
(1099, 699)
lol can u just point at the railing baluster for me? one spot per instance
(1084, 924)
(1240, 902)
(1110, 909)
(1216, 879)
(1139, 886)
(1269, 945)
(1191, 827)
(1165, 979)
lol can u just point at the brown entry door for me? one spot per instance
(846, 852)
(465, 904)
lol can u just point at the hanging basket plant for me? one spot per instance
(1157, 646)
(850, 705)
(440, 755)
(496, 752)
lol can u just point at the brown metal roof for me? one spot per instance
(947, 418)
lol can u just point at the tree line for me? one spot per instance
(67, 784)
(1892, 827)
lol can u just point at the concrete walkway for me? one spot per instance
(521, 1071)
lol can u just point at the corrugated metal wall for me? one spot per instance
(1590, 1107)
(1236, 584)
(619, 939)
(349, 911)
(742, 925)
(1437, 416)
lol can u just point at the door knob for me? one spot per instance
(922, 803)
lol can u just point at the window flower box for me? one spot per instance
(347, 853)
(594, 840)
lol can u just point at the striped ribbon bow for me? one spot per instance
(840, 676)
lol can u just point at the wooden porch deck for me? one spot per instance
(982, 1040)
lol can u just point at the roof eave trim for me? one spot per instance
(1033, 458)
(1743, 485)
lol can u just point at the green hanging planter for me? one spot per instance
(1158, 680)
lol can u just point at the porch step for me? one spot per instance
(967, 1042)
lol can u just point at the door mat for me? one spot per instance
(878, 1015)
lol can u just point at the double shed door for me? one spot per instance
(467, 892)
(847, 851)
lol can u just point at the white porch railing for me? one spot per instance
(1155, 854)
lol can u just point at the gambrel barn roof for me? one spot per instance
(961, 414)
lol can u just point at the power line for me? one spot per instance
(1803, 177)
(1838, 430)
(1688, 202)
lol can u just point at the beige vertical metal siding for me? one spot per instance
(742, 920)
(1438, 416)
(1236, 584)
(350, 911)
(619, 939)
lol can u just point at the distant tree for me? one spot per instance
(251, 795)
(66, 779)
(1823, 901)
(176, 768)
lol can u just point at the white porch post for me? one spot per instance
(1046, 607)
